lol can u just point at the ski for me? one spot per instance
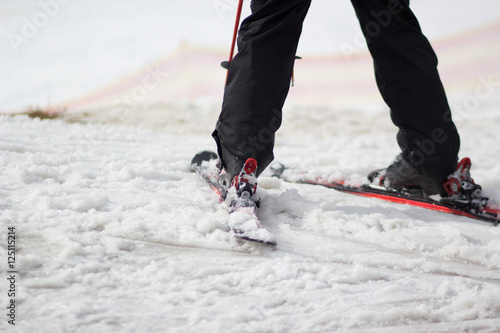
(464, 198)
(235, 195)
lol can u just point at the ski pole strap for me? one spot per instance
(293, 71)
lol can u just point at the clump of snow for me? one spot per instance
(362, 274)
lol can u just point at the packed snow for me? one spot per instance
(114, 233)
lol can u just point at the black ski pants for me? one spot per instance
(405, 71)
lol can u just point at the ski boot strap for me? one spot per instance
(461, 183)
(246, 182)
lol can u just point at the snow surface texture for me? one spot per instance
(116, 234)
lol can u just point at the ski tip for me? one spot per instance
(271, 243)
(277, 169)
(203, 156)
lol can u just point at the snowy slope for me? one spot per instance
(115, 234)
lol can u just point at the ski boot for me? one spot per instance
(415, 181)
(243, 203)
(242, 188)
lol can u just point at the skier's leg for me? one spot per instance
(408, 80)
(258, 82)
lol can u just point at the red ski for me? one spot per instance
(459, 201)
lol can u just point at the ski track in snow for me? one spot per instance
(114, 233)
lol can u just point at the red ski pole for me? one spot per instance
(235, 33)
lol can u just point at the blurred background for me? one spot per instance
(132, 61)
